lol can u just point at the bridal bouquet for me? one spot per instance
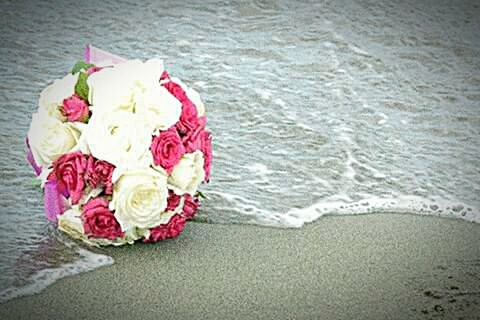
(120, 148)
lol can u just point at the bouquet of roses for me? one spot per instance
(120, 148)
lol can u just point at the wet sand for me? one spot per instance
(353, 267)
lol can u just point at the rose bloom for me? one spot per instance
(192, 95)
(206, 147)
(51, 98)
(189, 116)
(120, 138)
(69, 172)
(191, 140)
(70, 222)
(190, 206)
(75, 109)
(167, 149)
(140, 199)
(158, 106)
(99, 173)
(187, 174)
(173, 201)
(167, 231)
(200, 139)
(49, 138)
(98, 221)
(112, 86)
(165, 76)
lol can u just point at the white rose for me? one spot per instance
(51, 98)
(71, 223)
(140, 198)
(121, 138)
(187, 174)
(193, 95)
(151, 71)
(120, 86)
(160, 107)
(49, 138)
(110, 88)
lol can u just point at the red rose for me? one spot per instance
(189, 117)
(167, 231)
(164, 76)
(98, 221)
(190, 206)
(99, 173)
(75, 109)
(190, 140)
(200, 139)
(167, 149)
(174, 88)
(173, 201)
(205, 139)
(69, 172)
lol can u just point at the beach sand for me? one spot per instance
(352, 267)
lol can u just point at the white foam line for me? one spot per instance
(403, 204)
(44, 278)
(247, 207)
(233, 197)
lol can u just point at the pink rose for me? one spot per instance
(167, 231)
(99, 173)
(200, 139)
(167, 149)
(191, 140)
(69, 172)
(93, 70)
(190, 206)
(98, 221)
(174, 88)
(173, 201)
(75, 109)
(189, 117)
(164, 76)
(206, 147)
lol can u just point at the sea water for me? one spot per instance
(316, 108)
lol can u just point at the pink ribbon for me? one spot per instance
(53, 200)
(95, 55)
(31, 160)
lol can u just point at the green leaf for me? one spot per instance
(81, 65)
(81, 88)
(201, 195)
(36, 182)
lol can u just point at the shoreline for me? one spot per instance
(389, 266)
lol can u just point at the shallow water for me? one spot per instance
(320, 107)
